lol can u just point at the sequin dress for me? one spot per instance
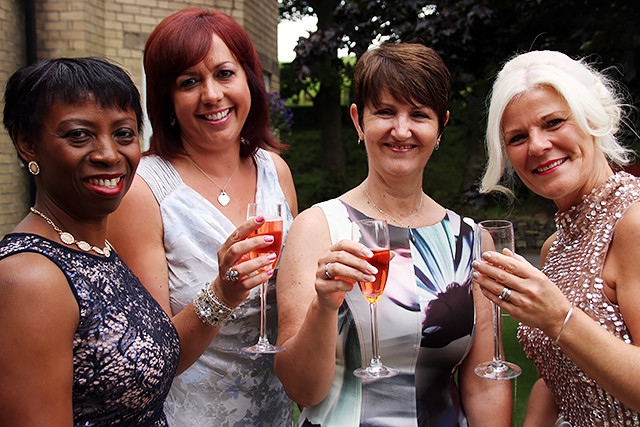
(574, 263)
(224, 387)
(125, 349)
(426, 321)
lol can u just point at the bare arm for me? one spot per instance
(136, 232)
(538, 302)
(39, 316)
(486, 402)
(308, 305)
(542, 410)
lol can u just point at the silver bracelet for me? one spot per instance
(210, 309)
(566, 320)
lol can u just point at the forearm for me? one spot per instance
(612, 363)
(306, 368)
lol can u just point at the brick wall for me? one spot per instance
(117, 29)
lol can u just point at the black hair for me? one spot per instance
(33, 90)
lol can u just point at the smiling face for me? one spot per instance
(212, 99)
(550, 153)
(87, 156)
(399, 136)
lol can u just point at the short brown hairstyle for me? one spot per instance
(410, 72)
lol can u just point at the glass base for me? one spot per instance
(261, 347)
(371, 372)
(497, 370)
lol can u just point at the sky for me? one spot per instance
(288, 34)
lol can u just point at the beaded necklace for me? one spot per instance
(68, 238)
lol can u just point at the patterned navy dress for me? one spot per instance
(125, 350)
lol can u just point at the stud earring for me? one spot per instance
(34, 168)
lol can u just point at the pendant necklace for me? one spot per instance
(223, 197)
(68, 238)
(395, 220)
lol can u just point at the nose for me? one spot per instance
(401, 128)
(211, 92)
(106, 151)
(538, 143)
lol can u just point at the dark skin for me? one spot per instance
(77, 145)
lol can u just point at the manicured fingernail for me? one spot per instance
(271, 256)
(366, 252)
(475, 264)
(368, 278)
(475, 274)
(268, 239)
(486, 255)
(259, 219)
(371, 269)
(270, 273)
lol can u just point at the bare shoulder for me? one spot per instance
(34, 289)
(286, 181)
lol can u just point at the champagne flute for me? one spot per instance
(273, 214)
(501, 233)
(374, 234)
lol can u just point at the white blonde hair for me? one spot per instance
(593, 98)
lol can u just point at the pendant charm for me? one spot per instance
(223, 198)
(67, 238)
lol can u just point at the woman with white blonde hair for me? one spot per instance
(553, 121)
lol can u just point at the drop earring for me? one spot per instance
(437, 145)
(172, 120)
(34, 168)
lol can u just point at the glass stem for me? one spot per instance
(375, 351)
(263, 313)
(497, 334)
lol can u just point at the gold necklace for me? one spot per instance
(223, 197)
(68, 238)
(395, 220)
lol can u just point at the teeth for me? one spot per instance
(550, 166)
(109, 183)
(218, 116)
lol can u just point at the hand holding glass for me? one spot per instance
(374, 234)
(501, 232)
(272, 213)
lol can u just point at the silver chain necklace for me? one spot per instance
(223, 197)
(68, 238)
(392, 218)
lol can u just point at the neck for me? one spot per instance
(401, 210)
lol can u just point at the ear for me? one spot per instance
(25, 147)
(446, 119)
(353, 112)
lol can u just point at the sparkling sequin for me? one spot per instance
(584, 233)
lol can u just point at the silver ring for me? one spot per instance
(231, 275)
(505, 295)
(326, 271)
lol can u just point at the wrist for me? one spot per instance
(210, 309)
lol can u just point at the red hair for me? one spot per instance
(181, 41)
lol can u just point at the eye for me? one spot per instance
(125, 136)
(77, 135)
(226, 74)
(516, 139)
(187, 83)
(384, 112)
(554, 123)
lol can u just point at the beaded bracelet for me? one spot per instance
(210, 309)
(566, 320)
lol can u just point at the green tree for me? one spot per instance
(474, 37)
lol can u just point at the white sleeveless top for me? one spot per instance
(225, 386)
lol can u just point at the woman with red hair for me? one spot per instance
(211, 154)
